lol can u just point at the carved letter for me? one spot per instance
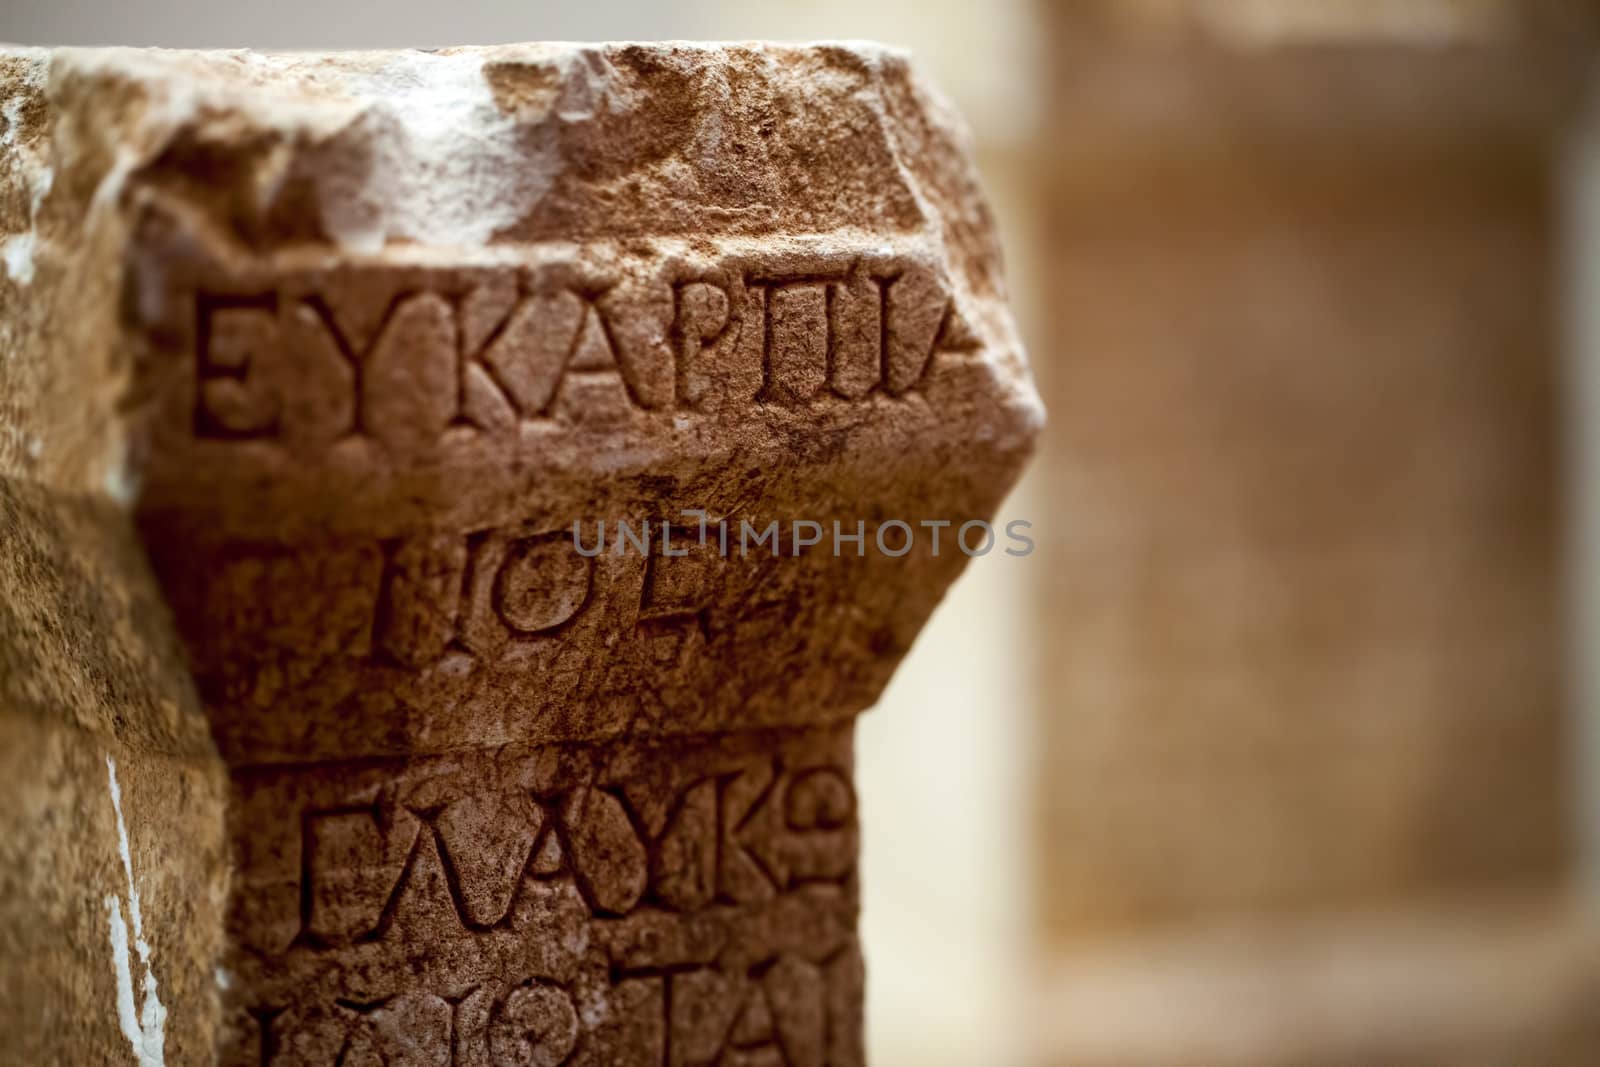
(233, 333)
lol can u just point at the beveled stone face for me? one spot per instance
(382, 466)
(387, 338)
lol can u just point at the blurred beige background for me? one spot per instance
(1284, 747)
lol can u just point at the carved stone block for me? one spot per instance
(533, 448)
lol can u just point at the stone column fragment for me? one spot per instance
(1306, 607)
(532, 444)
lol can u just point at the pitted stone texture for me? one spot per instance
(365, 337)
(662, 902)
(112, 799)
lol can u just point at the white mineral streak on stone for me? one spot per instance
(122, 478)
(594, 1010)
(12, 113)
(127, 1013)
(116, 176)
(448, 166)
(145, 1030)
(17, 250)
(417, 147)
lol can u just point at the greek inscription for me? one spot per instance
(476, 592)
(534, 1025)
(740, 838)
(583, 906)
(235, 334)
(775, 1011)
(307, 364)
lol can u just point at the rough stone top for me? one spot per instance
(473, 146)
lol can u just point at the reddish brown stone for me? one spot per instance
(370, 335)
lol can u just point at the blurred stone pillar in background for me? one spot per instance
(1303, 614)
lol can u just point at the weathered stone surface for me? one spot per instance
(362, 337)
(112, 859)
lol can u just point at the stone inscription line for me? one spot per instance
(729, 839)
(695, 1013)
(285, 363)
